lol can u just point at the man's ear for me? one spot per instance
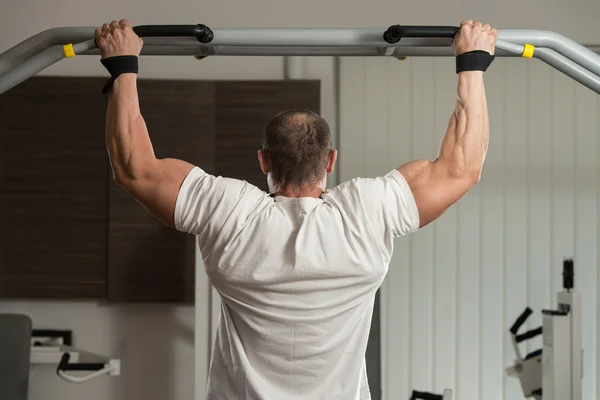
(264, 162)
(332, 160)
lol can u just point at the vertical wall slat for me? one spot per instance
(540, 184)
(384, 305)
(445, 275)
(563, 96)
(493, 333)
(352, 119)
(396, 293)
(468, 305)
(422, 241)
(376, 134)
(515, 233)
(597, 303)
(586, 222)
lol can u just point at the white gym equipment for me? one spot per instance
(48, 348)
(555, 371)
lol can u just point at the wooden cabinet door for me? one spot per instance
(243, 110)
(148, 261)
(53, 203)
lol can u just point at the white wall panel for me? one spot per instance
(515, 201)
(422, 243)
(445, 246)
(493, 334)
(395, 304)
(455, 287)
(539, 261)
(586, 226)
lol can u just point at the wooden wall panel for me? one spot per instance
(54, 206)
(148, 261)
(244, 108)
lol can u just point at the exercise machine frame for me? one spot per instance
(554, 372)
(53, 45)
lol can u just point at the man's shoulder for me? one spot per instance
(366, 183)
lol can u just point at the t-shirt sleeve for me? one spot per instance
(387, 202)
(206, 203)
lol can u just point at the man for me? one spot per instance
(297, 269)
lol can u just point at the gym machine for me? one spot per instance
(50, 347)
(22, 347)
(53, 45)
(430, 396)
(555, 371)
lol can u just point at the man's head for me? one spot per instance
(296, 151)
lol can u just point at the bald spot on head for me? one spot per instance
(297, 144)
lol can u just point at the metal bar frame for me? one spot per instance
(37, 53)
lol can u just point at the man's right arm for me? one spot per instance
(439, 184)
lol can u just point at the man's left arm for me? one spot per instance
(153, 182)
(174, 191)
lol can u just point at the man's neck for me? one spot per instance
(297, 192)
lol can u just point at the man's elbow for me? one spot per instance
(120, 174)
(119, 178)
(470, 175)
(124, 181)
(128, 179)
(129, 174)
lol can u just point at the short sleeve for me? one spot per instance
(399, 210)
(206, 203)
(387, 202)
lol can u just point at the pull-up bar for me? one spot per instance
(46, 48)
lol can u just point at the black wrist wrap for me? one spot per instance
(477, 60)
(116, 66)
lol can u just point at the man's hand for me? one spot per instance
(474, 36)
(118, 39)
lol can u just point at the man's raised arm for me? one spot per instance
(439, 184)
(152, 182)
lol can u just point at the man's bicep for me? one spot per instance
(433, 189)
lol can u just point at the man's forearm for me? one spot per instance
(127, 139)
(465, 144)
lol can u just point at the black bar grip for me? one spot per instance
(396, 32)
(201, 32)
(65, 366)
(425, 396)
(555, 313)
(568, 274)
(520, 321)
(528, 335)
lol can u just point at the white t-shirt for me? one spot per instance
(297, 279)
